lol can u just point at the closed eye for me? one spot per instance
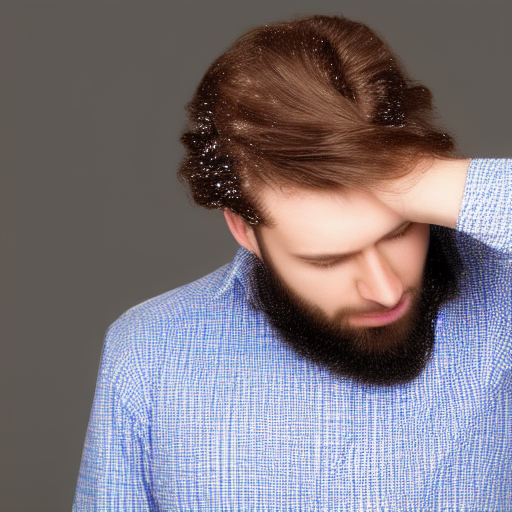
(401, 233)
(329, 264)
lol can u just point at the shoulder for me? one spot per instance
(181, 316)
(209, 293)
(165, 330)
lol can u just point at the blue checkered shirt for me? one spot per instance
(200, 406)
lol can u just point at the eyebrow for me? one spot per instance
(343, 255)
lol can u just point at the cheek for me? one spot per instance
(329, 289)
(408, 255)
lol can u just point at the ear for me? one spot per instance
(242, 232)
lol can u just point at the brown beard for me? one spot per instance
(369, 340)
(386, 355)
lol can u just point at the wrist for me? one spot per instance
(437, 197)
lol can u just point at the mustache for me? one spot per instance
(379, 310)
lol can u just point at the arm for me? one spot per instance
(430, 194)
(114, 474)
(486, 210)
(474, 196)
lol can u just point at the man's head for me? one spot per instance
(289, 131)
(346, 253)
(348, 283)
(317, 103)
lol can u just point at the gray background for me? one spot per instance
(93, 219)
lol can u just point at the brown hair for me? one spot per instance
(317, 102)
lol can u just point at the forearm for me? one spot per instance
(438, 195)
(431, 194)
(486, 209)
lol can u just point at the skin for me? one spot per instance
(357, 254)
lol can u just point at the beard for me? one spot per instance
(385, 355)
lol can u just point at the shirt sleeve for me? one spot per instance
(486, 209)
(114, 473)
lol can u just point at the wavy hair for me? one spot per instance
(317, 102)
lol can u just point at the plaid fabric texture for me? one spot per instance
(200, 407)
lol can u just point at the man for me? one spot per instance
(356, 354)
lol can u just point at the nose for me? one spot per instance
(378, 282)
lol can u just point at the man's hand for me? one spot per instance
(431, 193)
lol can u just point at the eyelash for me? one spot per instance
(402, 233)
(327, 266)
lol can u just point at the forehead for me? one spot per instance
(326, 220)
